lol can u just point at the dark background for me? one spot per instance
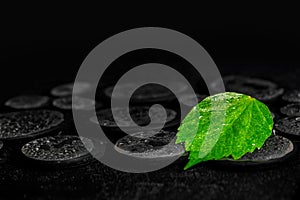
(49, 44)
(41, 48)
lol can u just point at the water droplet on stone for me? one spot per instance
(155, 146)
(27, 101)
(27, 123)
(289, 126)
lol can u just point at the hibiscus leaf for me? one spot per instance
(224, 125)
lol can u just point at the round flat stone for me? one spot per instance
(139, 114)
(150, 144)
(189, 100)
(27, 101)
(24, 124)
(267, 95)
(291, 109)
(289, 126)
(68, 89)
(275, 147)
(260, 89)
(146, 93)
(79, 103)
(58, 148)
(292, 96)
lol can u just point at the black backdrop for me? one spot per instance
(48, 45)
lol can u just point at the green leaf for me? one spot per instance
(223, 125)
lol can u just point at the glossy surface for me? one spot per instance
(188, 99)
(146, 145)
(23, 124)
(292, 96)
(58, 148)
(140, 116)
(289, 126)
(27, 101)
(78, 103)
(275, 147)
(291, 109)
(146, 93)
(67, 89)
(260, 89)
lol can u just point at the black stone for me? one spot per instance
(150, 144)
(274, 149)
(146, 93)
(289, 126)
(292, 96)
(24, 124)
(139, 114)
(58, 149)
(187, 99)
(291, 109)
(27, 101)
(70, 88)
(79, 103)
(263, 90)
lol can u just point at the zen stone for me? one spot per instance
(291, 109)
(275, 147)
(78, 103)
(24, 124)
(289, 126)
(58, 148)
(146, 93)
(189, 100)
(27, 101)
(292, 96)
(150, 144)
(139, 114)
(70, 88)
(260, 89)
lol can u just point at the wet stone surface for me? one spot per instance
(263, 90)
(58, 148)
(289, 125)
(79, 103)
(146, 93)
(275, 147)
(268, 95)
(150, 145)
(22, 124)
(292, 96)
(140, 116)
(27, 101)
(291, 109)
(188, 99)
(67, 89)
